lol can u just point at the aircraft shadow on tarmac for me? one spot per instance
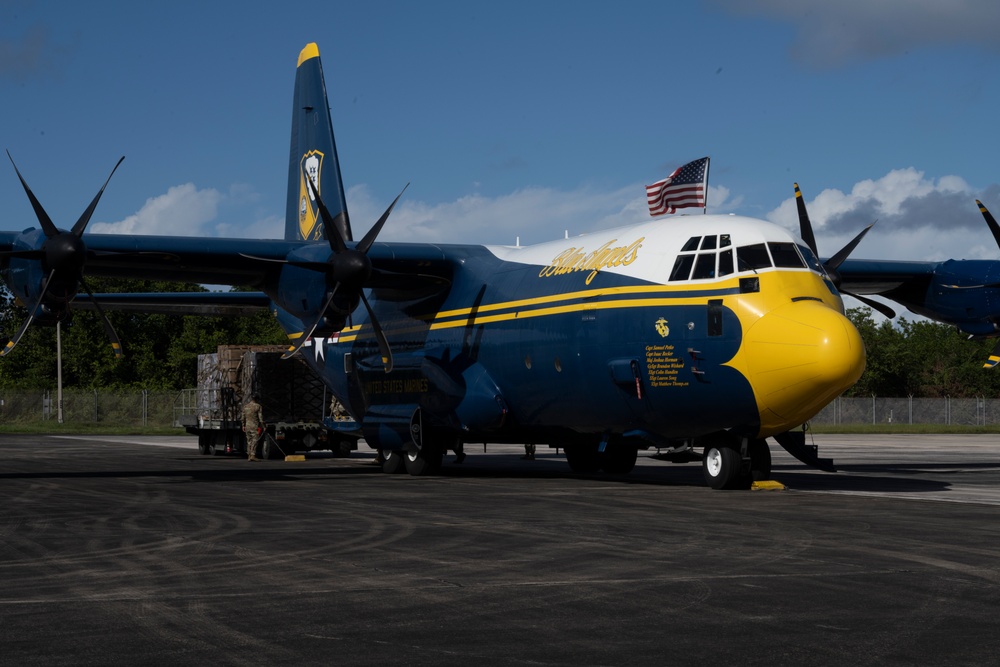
(863, 478)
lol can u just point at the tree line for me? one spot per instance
(905, 358)
(161, 351)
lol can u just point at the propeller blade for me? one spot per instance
(337, 243)
(369, 238)
(43, 218)
(306, 335)
(990, 220)
(81, 224)
(383, 343)
(805, 226)
(834, 262)
(872, 303)
(116, 344)
(27, 323)
(994, 357)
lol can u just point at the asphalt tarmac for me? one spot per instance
(116, 552)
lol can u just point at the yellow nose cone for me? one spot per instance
(800, 357)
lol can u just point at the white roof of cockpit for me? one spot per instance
(645, 251)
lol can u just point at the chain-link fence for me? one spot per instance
(147, 409)
(948, 411)
(151, 409)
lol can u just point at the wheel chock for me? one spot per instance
(767, 485)
(295, 457)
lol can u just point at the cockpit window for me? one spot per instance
(701, 259)
(785, 255)
(692, 244)
(753, 257)
(704, 268)
(725, 262)
(682, 267)
(811, 260)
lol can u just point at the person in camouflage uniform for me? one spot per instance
(253, 426)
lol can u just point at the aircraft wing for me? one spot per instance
(208, 261)
(179, 303)
(874, 276)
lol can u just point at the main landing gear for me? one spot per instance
(727, 465)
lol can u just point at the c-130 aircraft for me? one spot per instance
(700, 334)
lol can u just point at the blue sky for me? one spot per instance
(514, 119)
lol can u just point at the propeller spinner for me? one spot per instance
(347, 270)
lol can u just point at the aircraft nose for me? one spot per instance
(800, 357)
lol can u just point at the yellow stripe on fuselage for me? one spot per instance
(777, 286)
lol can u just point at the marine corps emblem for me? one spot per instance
(662, 328)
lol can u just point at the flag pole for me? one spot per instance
(708, 161)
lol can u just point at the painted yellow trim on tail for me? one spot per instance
(308, 53)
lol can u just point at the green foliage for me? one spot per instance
(922, 359)
(160, 350)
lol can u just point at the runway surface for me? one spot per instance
(116, 552)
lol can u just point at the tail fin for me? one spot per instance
(313, 155)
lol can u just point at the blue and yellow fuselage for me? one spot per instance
(599, 337)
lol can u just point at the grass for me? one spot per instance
(904, 428)
(53, 427)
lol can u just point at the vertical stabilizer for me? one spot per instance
(313, 155)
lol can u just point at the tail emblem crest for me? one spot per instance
(311, 167)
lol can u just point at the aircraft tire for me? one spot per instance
(618, 460)
(583, 458)
(760, 461)
(392, 462)
(424, 461)
(722, 466)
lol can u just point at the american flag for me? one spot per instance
(684, 188)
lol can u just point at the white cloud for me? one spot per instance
(919, 218)
(833, 33)
(184, 211)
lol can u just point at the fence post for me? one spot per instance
(910, 405)
(95, 407)
(873, 409)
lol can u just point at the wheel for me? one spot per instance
(216, 443)
(760, 461)
(344, 448)
(722, 465)
(269, 449)
(582, 458)
(618, 460)
(423, 461)
(392, 462)
(205, 443)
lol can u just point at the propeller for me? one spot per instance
(349, 270)
(991, 222)
(832, 264)
(63, 255)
